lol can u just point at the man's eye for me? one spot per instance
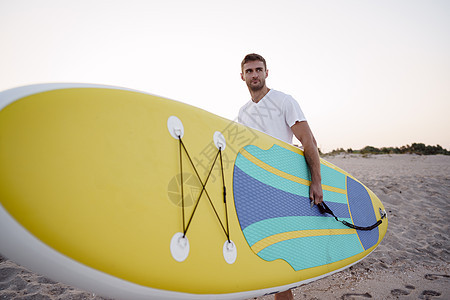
(248, 71)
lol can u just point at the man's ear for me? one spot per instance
(267, 73)
(242, 77)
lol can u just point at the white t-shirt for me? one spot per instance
(274, 114)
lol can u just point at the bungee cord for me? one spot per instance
(218, 154)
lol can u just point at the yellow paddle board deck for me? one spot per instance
(122, 193)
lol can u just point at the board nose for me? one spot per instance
(362, 212)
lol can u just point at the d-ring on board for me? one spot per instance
(175, 127)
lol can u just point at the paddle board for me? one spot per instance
(134, 196)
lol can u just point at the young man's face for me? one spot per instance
(254, 74)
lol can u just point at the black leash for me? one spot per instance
(323, 208)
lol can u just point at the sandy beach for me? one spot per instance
(412, 261)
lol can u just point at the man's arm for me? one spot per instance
(302, 131)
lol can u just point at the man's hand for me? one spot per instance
(316, 193)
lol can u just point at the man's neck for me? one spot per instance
(259, 94)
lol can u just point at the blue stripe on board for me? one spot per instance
(295, 164)
(309, 252)
(256, 201)
(281, 183)
(265, 228)
(362, 212)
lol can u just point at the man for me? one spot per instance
(280, 116)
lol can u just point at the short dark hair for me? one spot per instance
(253, 57)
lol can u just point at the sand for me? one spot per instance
(412, 261)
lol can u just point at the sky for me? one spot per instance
(364, 72)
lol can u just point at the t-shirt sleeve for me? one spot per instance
(240, 116)
(292, 111)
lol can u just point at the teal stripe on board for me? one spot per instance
(329, 196)
(282, 159)
(295, 164)
(309, 252)
(281, 183)
(262, 229)
(271, 179)
(332, 177)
